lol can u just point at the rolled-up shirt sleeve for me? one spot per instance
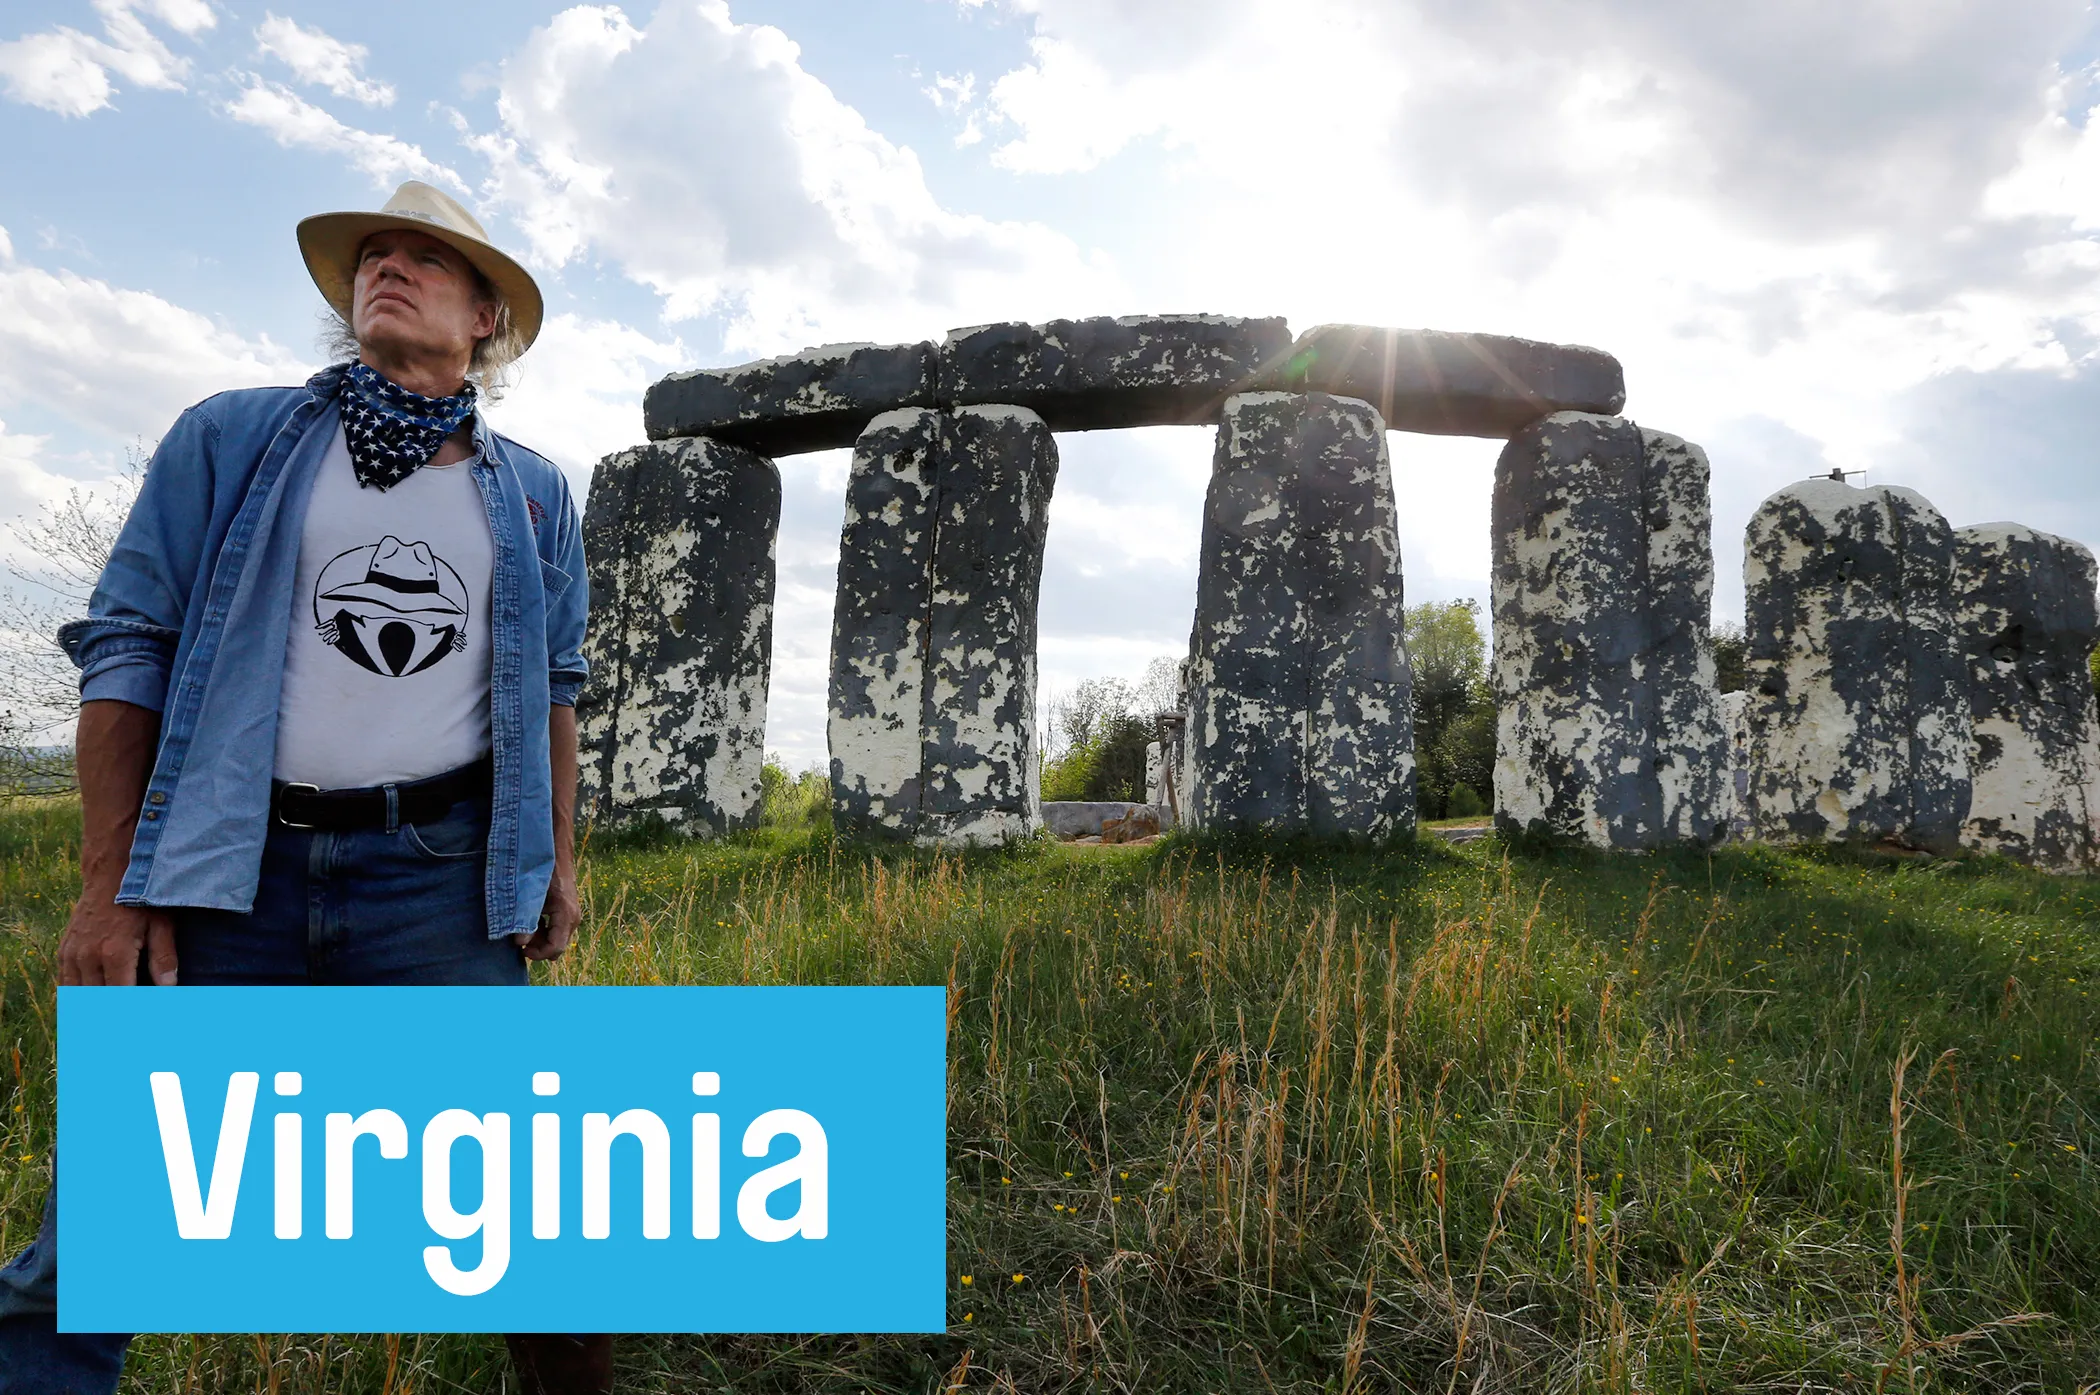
(568, 613)
(125, 648)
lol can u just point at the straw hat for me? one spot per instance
(330, 243)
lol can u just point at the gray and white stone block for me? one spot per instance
(880, 623)
(1608, 729)
(998, 466)
(1067, 819)
(933, 672)
(680, 539)
(1133, 370)
(2026, 622)
(1859, 710)
(819, 399)
(1299, 689)
(1735, 721)
(1451, 384)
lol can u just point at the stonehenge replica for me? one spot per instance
(1909, 685)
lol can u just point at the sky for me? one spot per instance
(1862, 235)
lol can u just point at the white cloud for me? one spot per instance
(957, 95)
(120, 363)
(295, 123)
(698, 156)
(578, 393)
(1796, 212)
(68, 72)
(322, 60)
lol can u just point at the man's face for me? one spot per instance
(416, 295)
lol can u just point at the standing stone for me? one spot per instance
(933, 671)
(2026, 621)
(1859, 711)
(1608, 730)
(1300, 693)
(1735, 720)
(673, 720)
(998, 466)
(879, 625)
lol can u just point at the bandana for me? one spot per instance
(392, 432)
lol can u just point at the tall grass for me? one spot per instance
(1272, 1117)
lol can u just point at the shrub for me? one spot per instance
(792, 801)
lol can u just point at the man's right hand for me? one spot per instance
(102, 941)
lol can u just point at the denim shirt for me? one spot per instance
(190, 616)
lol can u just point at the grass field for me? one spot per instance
(1259, 1117)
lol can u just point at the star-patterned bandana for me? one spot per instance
(392, 432)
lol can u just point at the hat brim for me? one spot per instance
(403, 602)
(330, 242)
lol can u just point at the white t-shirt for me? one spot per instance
(386, 667)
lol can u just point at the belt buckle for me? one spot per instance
(289, 786)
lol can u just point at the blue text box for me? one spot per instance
(801, 1132)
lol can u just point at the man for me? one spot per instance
(327, 731)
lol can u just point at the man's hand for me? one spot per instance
(558, 919)
(113, 751)
(102, 941)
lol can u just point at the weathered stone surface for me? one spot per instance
(1300, 712)
(1608, 730)
(1136, 370)
(2026, 622)
(1079, 818)
(819, 399)
(933, 672)
(1859, 711)
(1451, 384)
(1143, 821)
(673, 720)
(879, 625)
(998, 466)
(1735, 720)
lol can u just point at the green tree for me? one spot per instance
(1096, 735)
(790, 800)
(1454, 713)
(1731, 657)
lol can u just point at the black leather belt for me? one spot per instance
(294, 805)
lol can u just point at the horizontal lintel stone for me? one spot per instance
(1449, 384)
(1137, 370)
(1105, 372)
(819, 399)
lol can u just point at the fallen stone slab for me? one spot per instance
(1299, 688)
(1450, 384)
(1132, 370)
(1608, 729)
(2026, 621)
(819, 399)
(1859, 709)
(672, 721)
(1079, 818)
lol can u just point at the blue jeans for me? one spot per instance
(395, 905)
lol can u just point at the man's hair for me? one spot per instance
(489, 367)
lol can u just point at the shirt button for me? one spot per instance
(152, 814)
(159, 796)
